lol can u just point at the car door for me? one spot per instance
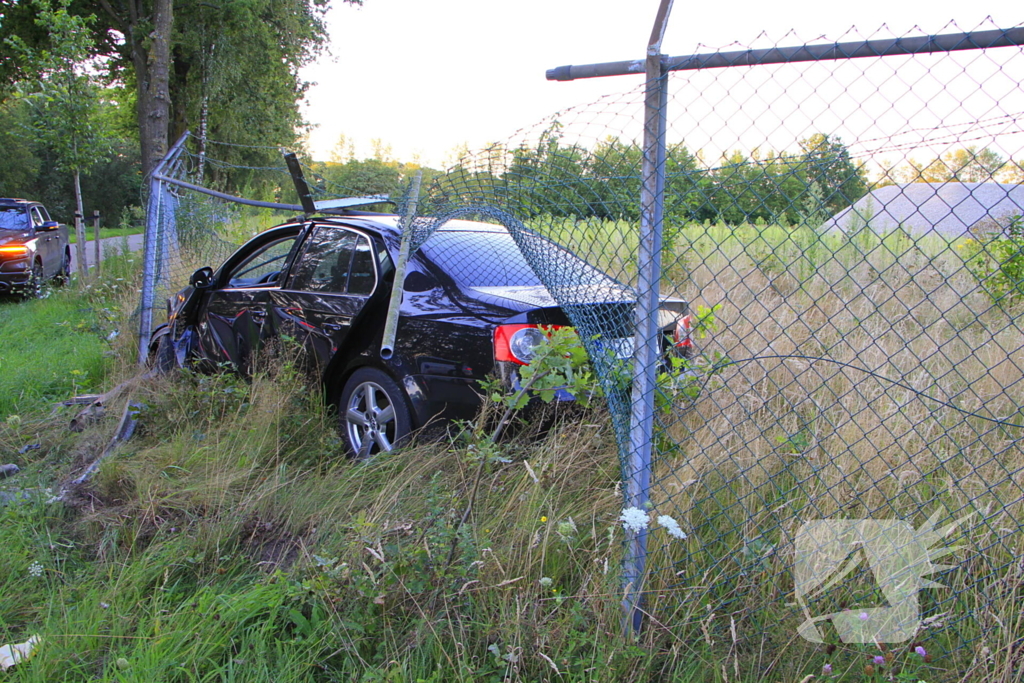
(45, 242)
(334, 276)
(57, 242)
(233, 319)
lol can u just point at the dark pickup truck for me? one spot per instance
(33, 248)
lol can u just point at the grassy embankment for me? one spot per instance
(230, 540)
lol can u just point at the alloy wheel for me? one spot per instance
(370, 419)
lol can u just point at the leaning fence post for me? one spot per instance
(387, 345)
(648, 343)
(150, 254)
(152, 251)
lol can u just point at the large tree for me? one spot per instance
(232, 64)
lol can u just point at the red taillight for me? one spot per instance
(684, 331)
(515, 343)
(505, 336)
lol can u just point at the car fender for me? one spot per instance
(160, 331)
(182, 343)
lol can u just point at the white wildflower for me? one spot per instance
(633, 519)
(671, 526)
(567, 528)
(35, 569)
(545, 581)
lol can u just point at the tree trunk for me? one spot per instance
(152, 74)
(79, 233)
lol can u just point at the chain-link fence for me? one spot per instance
(849, 236)
(848, 232)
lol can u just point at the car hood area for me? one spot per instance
(14, 236)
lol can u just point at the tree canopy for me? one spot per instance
(230, 67)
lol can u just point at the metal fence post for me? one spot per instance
(154, 247)
(647, 345)
(150, 254)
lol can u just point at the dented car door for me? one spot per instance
(334, 276)
(234, 320)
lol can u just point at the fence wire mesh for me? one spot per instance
(849, 237)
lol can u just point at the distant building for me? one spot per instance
(952, 209)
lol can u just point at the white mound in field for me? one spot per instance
(952, 209)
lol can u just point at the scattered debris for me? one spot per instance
(124, 432)
(10, 469)
(12, 654)
(95, 405)
(29, 447)
(95, 409)
(91, 414)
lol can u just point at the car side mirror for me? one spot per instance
(202, 278)
(48, 226)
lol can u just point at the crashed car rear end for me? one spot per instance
(471, 308)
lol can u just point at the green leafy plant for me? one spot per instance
(998, 262)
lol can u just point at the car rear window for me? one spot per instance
(480, 259)
(493, 259)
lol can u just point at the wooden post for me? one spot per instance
(96, 239)
(80, 260)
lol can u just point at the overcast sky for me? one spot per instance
(425, 76)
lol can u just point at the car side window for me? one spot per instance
(263, 267)
(362, 277)
(336, 261)
(37, 218)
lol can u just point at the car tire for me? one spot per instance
(34, 286)
(63, 275)
(373, 413)
(162, 358)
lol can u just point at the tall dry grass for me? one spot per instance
(866, 376)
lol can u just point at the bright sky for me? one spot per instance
(425, 76)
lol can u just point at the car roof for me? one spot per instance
(17, 202)
(388, 224)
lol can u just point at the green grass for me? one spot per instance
(49, 349)
(231, 540)
(90, 233)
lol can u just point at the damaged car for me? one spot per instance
(33, 248)
(471, 308)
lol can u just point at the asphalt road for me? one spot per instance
(108, 247)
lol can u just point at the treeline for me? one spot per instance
(807, 185)
(964, 165)
(558, 179)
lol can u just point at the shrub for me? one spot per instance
(997, 261)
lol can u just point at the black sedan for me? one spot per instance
(471, 308)
(33, 248)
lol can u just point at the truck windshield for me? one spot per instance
(12, 218)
